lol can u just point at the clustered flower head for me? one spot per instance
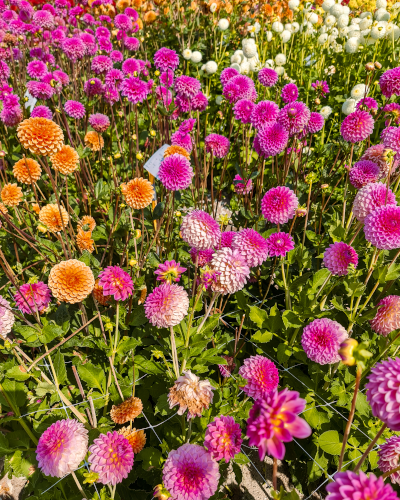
(357, 126)
(116, 282)
(192, 394)
(200, 230)
(262, 376)
(33, 297)
(169, 271)
(351, 486)
(371, 197)
(272, 139)
(382, 227)
(223, 438)
(294, 117)
(241, 186)
(387, 318)
(363, 172)
(233, 271)
(279, 244)
(268, 77)
(321, 340)
(138, 192)
(175, 172)
(127, 411)
(71, 281)
(251, 245)
(217, 144)
(7, 317)
(279, 204)
(388, 454)
(338, 257)
(166, 305)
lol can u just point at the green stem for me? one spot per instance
(174, 352)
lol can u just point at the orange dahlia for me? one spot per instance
(94, 141)
(66, 160)
(50, 216)
(3, 208)
(84, 240)
(126, 411)
(176, 150)
(137, 439)
(11, 194)
(87, 220)
(123, 4)
(150, 17)
(71, 281)
(138, 192)
(40, 135)
(102, 299)
(36, 208)
(27, 170)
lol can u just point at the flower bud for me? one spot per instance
(139, 156)
(133, 262)
(370, 66)
(178, 214)
(161, 493)
(157, 73)
(346, 351)
(152, 133)
(317, 101)
(378, 65)
(301, 212)
(324, 186)
(137, 233)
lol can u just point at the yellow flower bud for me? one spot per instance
(346, 351)
(157, 73)
(42, 229)
(139, 156)
(152, 133)
(133, 262)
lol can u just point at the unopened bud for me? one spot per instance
(139, 156)
(137, 233)
(378, 65)
(161, 493)
(178, 214)
(152, 133)
(370, 66)
(317, 101)
(301, 212)
(324, 186)
(157, 73)
(133, 262)
(346, 351)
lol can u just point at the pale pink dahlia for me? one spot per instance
(252, 246)
(376, 153)
(203, 256)
(223, 438)
(387, 316)
(33, 297)
(166, 305)
(264, 112)
(363, 172)
(99, 122)
(294, 117)
(175, 172)
(274, 420)
(241, 186)
(190, 473)
(351, 486)
(116, 282)
(62, 447)
(388, 454)
(217, 144)
(233, 270)
(111, 456)
(382, 227)
(7, 317)
(271, 139)
(279, 205)
(371, 197)
(321, 340)
(200, 230)
(338, 257)
(268, 77)
(182, 140)
(170, 271)
(262, 376)
(279, 244)
(357, 126)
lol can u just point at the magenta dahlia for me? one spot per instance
(132, 43)
(274, 420)
(134, 89)
(239, 87)
(73, 48)
(387, 318)
(338, 257)
(321, 340)
(233, 271)
(36, 69)
(75, 109)
(279, 205)
(166, 59)
(33, 297)
(217, 144)
(166, 305)
(290, 93)
(199, 102)
(357, 126)
(227, 239)
(388, 454)
(101, 65)
(371, 197)
(123, 22)
(99, 122)
(322, 88)
(382, 227)
(227, 74)
(279, 244)
(272, 139)
(187, 86)
(175, 172)
(44, 19)
(40, 90)
(241, 186)
(294, 117)
(391, 139)
(130, 67)
(114, 78)
(116, 282)
(367, 104)
(203, 256)
(200, 230)
(170, 271)
(184, 141)
(42, 112)
(392, 112)
(351, 486)
(389, 82)
(93, 87)
(315, 123)
(223, 438)
(243, 109)
(264, 112)
(268, 77)
(363, 172)
(251, 245)
(262, 376)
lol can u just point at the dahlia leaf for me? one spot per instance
(241, 459)
(291, 320)
(93, 376)
(18, 373)
(60, 368)
(331, 442)
(5, 448)
(258, 316)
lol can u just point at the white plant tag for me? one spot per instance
(31, 102)
(153, 164)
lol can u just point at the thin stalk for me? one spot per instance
(174, 352)
(370, 446)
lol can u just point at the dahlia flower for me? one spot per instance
(42, 112)
(190, 473)
(391, 139)
(44, 19)
(73, 48)
(217, 144)
(200, 230)
(227, 74)
(187, 86)
(65, 161)
(279, 244)
(134, 89)
(268, 77)
(321, 340)
(243, 109)
(116, 282)
(322, 88)
(138, 193)
(357, 126)
(40, 90)
(315, 123)
(223, 438)
(101, 65)
(241, 186)
(187, 126)
(175, 172)
(388, 454)
(290, 93)
(132, 43)
(36, 69)
(351, 486)
(239, 87)
(32, 297)
(389, 82)
(364, 172)
(75, 109)
(71, 281)
(264, 112)
(27, 170)
(387, 316)
(130, 67)
(127, 410)
(94, 141)
(279, 204)
(93, 87)
(262, 376)
(169, 272)
(191, 393)
(382, 227)
(294, 117)
(166, 59)
(226, 370)
(111, 457)
(7, 317)
(184, 141)
(114, 79)
(233, 271)
(11, 195)
(166, 305)
(251, 245)
(123, 22)
(203, 256)
(392, 111)
(367, 104)
(371, 197)
(62, 447)
(136, 438)
(199, 102)
(99, 122)
(338, 257)
(274, 420)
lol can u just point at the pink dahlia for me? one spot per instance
(338, 257)
(251, 245)
(42, 112)
(351, 486)
(36, 69)
(371, 197)
(187, 126)
(75, 109)
(44, 19)
(264, 112)
(227, 239)
(200, 230)
(190, 473)
(367, 104)
(132, 43)
(391, 139)
(322, 88)
(315, 123)
(382, 227)
(73, 48)
(199, 102)
(262, 376)
(272, 139)
(233, 271)
(11, 116)
(101, 65)
(388, 454)
(99, 122)
(290, 93)
(169, 272)
(389, 82)
(279, 244)
(167, 78)
(182, 140)
(166, 305)
(175, 172)
(7, 317)
(387, 316)
(226, 370)
(134, 89)
(357, 126)
(93, 87)
(62, 447)
(203, 256)
(187, 86)
(163, 95)
(294, 117)
(241, 186)
(130, 67)
(166, 59)
(243, 109)
(239, 87)
(217, 144)
(279, 205)
(40, 90)
(33, 297)
(268, 77)
(364, 172)
(116, 282)
(123, 22)
(111, 457)
(223, 438)
(114, 78)
(274, 420)
(321, 340)
(227, 74)
(392, 112)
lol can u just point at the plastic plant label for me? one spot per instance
(31, 102)
(152, 165)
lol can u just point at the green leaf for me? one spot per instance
(18, 373)
(4, 446)
(380, 274)
(128, 344)
(258, 316)
(262, 336)
(15, 392)
(318, 279)
(147, 366)
(275, 323)
(27, 332)
(50, 332)
(241, 459)
(60, 368)
(283, 353)
(301, 280)
(362, 406)
(373, 459)
(291, 320)
(162, 405)
(93, 376)
(210, 324)
(138, 317)
(211, 360)
(238, 472)
(315, 418)
(61, 317)
(393, 272)
(150, 456)
(331, 442)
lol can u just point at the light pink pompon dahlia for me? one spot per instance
(116, 282)
(382, 227)
(321, 340)
(192, 394)
(279, 205)
(111, 456)
(262, 376)
(166, 305)
(7, 317)
(62, 447)
(251, 245)
(338, 257)
(351, 486)
(233, 271)
(388, 454)
(190, 473)
(274, 421)
(200, 230)
(387, 318)
(371, 197)
(383, 392)
(223, 438)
